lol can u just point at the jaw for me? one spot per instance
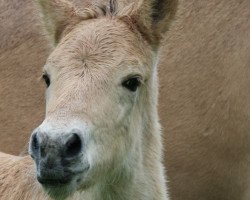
(59, 192)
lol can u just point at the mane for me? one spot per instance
(97, 10)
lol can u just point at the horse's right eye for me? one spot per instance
(46, 79)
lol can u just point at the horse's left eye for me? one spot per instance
(46, 79)
(132, 83)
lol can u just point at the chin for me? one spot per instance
(59, 191)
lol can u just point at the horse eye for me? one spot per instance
(132, 83)
(46, 79)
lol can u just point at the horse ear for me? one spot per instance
(154, 17)
(58, 15)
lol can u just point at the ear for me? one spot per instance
(58, 15)
(153, 18)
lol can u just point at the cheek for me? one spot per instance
(108, 112)
(110, 138)
(121, 113)
(107, 146)
(47, 98)
(125, 106)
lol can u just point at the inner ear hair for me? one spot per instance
(153, 19)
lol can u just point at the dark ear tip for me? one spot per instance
(161, 8)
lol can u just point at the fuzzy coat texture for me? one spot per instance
(204, 99)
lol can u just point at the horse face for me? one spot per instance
(97, 79)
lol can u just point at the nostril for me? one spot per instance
(34, 142)
(73, 145)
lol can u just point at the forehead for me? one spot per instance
(100, 42)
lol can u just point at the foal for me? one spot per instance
(101, 138)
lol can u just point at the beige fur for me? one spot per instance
(95, 51)
(17, 179)
(23, 52)
(206, 102)
(206, 55)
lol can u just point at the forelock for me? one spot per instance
(99, 10)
